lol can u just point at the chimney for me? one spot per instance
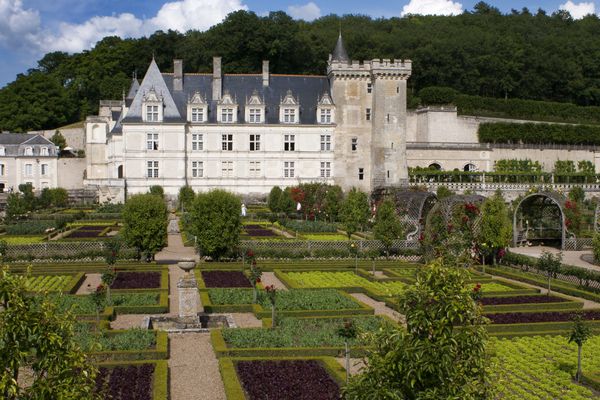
(266, 73)
(177, 74)
(217, 79)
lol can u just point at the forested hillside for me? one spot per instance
(524, 54)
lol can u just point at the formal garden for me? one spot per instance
(326, 289)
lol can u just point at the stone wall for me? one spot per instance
(71, 172)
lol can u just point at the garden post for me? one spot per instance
(347, 355)
(578, 377)
(272, 315)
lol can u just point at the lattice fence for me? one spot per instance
(590, 284)
(576, 244)
(81, 250)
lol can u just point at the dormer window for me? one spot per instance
(227, 109)
(28, 151)
(325, 110)
(197, 109)
(255, 115)
(289, 109)
(255, 109)
(44, 151)
(152, 107)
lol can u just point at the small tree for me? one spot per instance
(145, 223)
(215, 220)
(157, 190)
(355, 211)
(111, 255)
(98, 297)
(186, 198)
(15, 206)
(387, 226)
(255, 274)
(580, 333)
(577, 195)
(274, 200)
(36, 336)
(286, 203)
(272, 296)
(59, 140)
(333, 202)
(348, 332)
(551, 264)
(495, 228)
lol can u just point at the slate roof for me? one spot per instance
(14, 144)
(135, 86)
(340, 53)
(306, 89)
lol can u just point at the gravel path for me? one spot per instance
(379, 307)
(90, 283)
(356, 364)
(127, 321)
(194, 368)
(246, 320)
(569, 257)
(269, 278)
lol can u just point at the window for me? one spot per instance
(2, 151)
(361, 174)
(369, 87)
(326, 116)
(44, 168)
(151, 141)
(289, 115)
(197, 114)
(197, 142)
(255, 169)
(226, 114)
(326, 169)
(227, 142)
(288, 169)
(44, 151)
(28, 151)
(255, 114)
(289, 142)
(470, 168)
(325, 142)
(227, 169)
(2, 170)
(197, 169)
(368, 114)
(152, 169)
(254, 142)
(28, 169)
(354, 145)
(152, 113)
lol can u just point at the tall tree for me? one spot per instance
(355, 211)
(145, 223)
(495, 227)
(387, 227)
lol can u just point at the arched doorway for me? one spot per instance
(539, 218)
(435, 166)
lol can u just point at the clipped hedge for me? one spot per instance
(539, 328)
(532, 133)
(562, 306)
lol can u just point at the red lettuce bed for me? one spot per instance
(532, 317)
(495, 301)
(225, 279)
(136, 280)
(132, 382)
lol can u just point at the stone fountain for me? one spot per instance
(191, 317)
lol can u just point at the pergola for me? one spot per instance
(447, 206)
(541, 217)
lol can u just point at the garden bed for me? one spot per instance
(137, 280)
(494, 301)
(146, 380)
(225, 279)
(538, 317)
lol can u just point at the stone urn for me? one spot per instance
(187, 266)
(189, 301)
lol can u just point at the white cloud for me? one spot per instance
(432, 7)
(307, 12)
(23, 27)
(578, 10)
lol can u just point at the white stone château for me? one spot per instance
(249, 132)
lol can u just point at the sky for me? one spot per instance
(31, 28)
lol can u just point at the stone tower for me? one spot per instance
(370, 139)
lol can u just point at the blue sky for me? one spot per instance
(31, 28)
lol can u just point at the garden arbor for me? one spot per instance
(540, 217)
(412, 207)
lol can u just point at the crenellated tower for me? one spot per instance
(370, 100)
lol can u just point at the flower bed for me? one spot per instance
(225, 279)
(493, 301)
(318, 279)
(126, 383)
(286, 379)
(136, 280)
(300, 332)
(533, 317)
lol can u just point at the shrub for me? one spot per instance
(157, 190)
(435, 95)
(504, 132)
(274, 200)
(145, 218)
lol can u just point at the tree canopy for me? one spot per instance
(483, 52)
(145, 223)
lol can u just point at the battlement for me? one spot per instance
(403, 67)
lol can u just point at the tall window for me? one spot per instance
(151, 113)
(227, 142)
(368, 115)
(325, 142)
(197, 114)
(325, 169)
(152, 169)
(197, 141)
(254, 142)
(288, 169)
(2, 170)
(289, 115)
(197, 169)
(151, 141)
(361, 174)
(255, 169)
(289, 142)
(326, 116)
(227, 169)
(354, 144)
(255, 114)
(369, 87)
(28, 169)
(226, 114)
(2, 151)
(44, 151)
(44, 169)
(28, 151)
